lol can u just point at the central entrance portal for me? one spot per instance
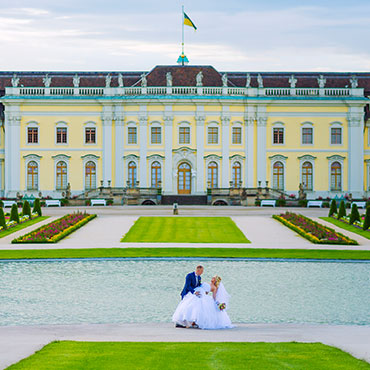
(184, 178)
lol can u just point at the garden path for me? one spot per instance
(18, 342)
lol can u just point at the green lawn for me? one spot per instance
(69, 355)
(184, 230)
(185, 252)
(22, 226)
(343, 225)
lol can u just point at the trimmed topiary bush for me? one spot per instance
(14, 216)
(342, 210)
(366, 224)
(333, 208)
(2, 218)
(37, 207)
(354, 216)
(26, 209)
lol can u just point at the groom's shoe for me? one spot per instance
(194, 325)
(179, 326)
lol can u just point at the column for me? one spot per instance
(143, 141)
(200, 186)
(107, 120)
(168, 134)
(249, 151)
(261, 149)
(225, 121)
(119, 180)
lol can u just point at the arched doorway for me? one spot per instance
(184, 178)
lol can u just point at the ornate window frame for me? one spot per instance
(273, 159)
(90, 124)
(126, 160)
(57, 158)
(213, 158)
(278, 124)
(132, 124)
(213, 124)
(241, 159)
(32, 158)
(331, 160)
(180, 125)
(61, 124)
(237, 124)
(154, 124)
(155, 158)
(33, 124)
(90, 158)
(336, 124)
(310, 125)
(302, 160)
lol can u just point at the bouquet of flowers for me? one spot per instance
(221, 306)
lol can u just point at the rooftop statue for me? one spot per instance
(354, 82)
(144, 82)
(47, 80)
(260, 81)
(76, 80)
(224, 80)
(293, 82)
(248, 82)
(120, 80)
(169, 79)
(108, 80)
(322, 81)
(199, 79)
(15, 80)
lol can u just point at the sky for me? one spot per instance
(232, 35)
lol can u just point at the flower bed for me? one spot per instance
(56, 230)
(22, 219)
(313, 231)
(346, 220)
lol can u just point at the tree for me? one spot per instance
(366, 224)
(342, 210)
(354, 216)
(37, 207)
(2, 218)
(26, 210)
(14, 216)
(333, 208)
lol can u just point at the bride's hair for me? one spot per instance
(218, 280)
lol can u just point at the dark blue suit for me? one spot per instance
(190, 284)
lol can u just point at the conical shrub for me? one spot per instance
(354, 216)
(333, 208)
(2, 218)
(342, 210)
(366, 224)
(37, 207)
(14, 216)
(26, 210)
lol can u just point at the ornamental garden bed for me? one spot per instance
(312, 230)
(56, 230)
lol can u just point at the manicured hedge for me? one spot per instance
(305, 227)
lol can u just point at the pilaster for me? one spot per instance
(199, 119)
(249, 150)
(143, 141)
(168, 132)
(119, 118)
(261, 147)
(107, 121)
(225, 123)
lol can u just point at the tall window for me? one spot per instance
(61, 135)
(32, 176)
(336, 135)
(336, 177)
(90, 135)
(278, 134)
(307, 137)
(61, 175)
(156, 174)
(32, 135)
(212, 135)
(307, 175)
(131, 174)
(236, 174)
(156, 135)
(184, 135)
(213, 174)
(90, 175)
(237, 135)
(278, 176)
(132, 135)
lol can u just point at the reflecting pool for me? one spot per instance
(119, 291)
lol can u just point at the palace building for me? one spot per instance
(184, 129)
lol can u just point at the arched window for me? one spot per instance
(32, 176)
(278, 176)
(90, 175)
(131, 182)
(61, 175)
(156, 174)
(336, 177)
(236, 174)
(213, 174)
(307, 175)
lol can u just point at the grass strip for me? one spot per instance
(185, 252)
(184, 230)
(68, 355)
(343, 225)
(21, 226)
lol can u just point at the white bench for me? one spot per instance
(359, 204)
(52, 202)
(98, 202)
(268, 202)
(314, 203)
(8, 203)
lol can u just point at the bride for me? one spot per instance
(201, 310)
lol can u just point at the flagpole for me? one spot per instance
(182, 44)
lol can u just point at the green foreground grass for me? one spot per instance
(22, 226)
(69, 355)
(184, 230)
(343, 225)
(185, 252)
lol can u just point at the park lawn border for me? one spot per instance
(59, 236)
(23, 225)
(190, 252)
(311, 237)
(345, 226)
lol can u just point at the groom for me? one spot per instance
(192, 281)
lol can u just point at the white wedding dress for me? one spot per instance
(203, 309)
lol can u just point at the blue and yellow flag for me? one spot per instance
(188, 21)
